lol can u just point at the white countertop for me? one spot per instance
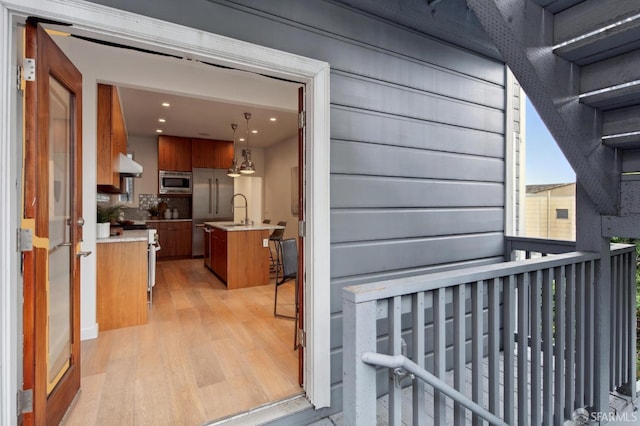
(126, 237)
(234, 226)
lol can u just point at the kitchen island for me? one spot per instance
(238, 254)
(121, 287)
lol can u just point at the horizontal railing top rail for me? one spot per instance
(402, 286)
(537, 245)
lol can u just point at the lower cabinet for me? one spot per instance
(218, 248)
(174, 237)
(121, 287)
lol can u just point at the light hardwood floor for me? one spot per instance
(206, 353)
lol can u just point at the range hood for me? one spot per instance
(128, 167)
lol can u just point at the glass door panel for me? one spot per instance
(60, 285)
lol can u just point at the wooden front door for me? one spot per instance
(52, 211)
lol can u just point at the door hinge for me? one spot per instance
(24, 401)
(29, 69)
(302, 228)
(25, 239)
(302, 119)
(302, 338)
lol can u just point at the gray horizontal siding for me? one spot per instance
(372, 191)
(385, 224)
(383, 160)
(370, 126)
(373, 95)
(361, 258)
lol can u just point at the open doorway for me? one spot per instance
(226, 342)
(141, 31)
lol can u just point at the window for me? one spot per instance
(562, 213)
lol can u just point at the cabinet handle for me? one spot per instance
(83, 253)
(217, 192)
(210, 200)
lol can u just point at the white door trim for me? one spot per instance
(140, 31)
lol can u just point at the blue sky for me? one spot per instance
(545, 162)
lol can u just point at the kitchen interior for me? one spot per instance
(183, 236)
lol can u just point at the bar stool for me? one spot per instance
(276, 239)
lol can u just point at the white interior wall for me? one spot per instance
(279, 159)
(145, 152)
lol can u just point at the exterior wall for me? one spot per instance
(417, 138)
(541, 220)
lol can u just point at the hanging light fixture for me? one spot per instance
(234, 170)
(247, 167)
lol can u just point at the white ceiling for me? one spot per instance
(200, 118)
(205, 99)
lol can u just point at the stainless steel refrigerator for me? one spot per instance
(212, 192)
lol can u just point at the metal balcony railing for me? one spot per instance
(517, 337)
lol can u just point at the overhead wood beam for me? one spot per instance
(523, 33)
(621, 226)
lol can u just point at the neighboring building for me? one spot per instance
(551, 211)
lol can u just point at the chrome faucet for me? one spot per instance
(246, 207)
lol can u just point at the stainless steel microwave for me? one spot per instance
(175, 182)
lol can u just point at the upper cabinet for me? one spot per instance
(111, 138)
(183, 154)
(174, 153)
(211, 154)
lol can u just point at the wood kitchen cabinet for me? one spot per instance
(121, 286)
(212, 154)
(218, 252)
(174, 238)
(111, 138)
(174, 153)
(239, 258)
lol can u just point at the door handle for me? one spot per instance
(83, 253)
(80, 221)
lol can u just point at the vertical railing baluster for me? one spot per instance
(477, 296)
(536, 348)
(559, 346)
(626, 312)
(395, 348)
(614, 318)
(417, 310)
(509, 306)
(523, 348)
(580, 337)
(359, 379)
(631, 305)
(570, 352)
(547, 347)
(439, 353)
(618, 326)
(494, 346)
(459, 296)
(589, 349)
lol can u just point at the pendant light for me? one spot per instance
(234, 170)
(247, 167)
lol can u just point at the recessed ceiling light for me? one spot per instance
(273, 119)
(241, 139)
(158, 130)
(166, 104)
(162, 120)
(254, 132)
